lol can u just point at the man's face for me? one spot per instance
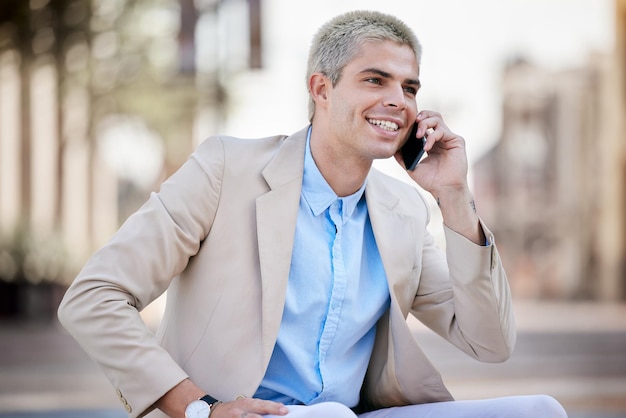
(372, 108)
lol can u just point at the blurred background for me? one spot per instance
(100, 101)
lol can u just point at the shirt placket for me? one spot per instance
(337, 295)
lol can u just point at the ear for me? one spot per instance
(319, 85)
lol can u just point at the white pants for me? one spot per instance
(509, 407)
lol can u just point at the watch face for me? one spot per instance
(197, 409)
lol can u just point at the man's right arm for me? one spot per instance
(101, 307)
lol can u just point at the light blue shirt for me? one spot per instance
(336, 293)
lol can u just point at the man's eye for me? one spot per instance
(373, 80)
(411, 90)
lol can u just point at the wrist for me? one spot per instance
(452, 193)
(456, 203)
(174, 402)
(202, 407)
(211, 401)
(458, 210)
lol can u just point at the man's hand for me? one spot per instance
(174, 402)
(248, 408)
(443, 173)
(446, 165)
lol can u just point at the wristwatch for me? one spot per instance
(201, 408)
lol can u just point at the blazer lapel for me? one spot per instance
(390, 223)
(277, 212)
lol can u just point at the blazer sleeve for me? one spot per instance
(101, 307)
(465, 296)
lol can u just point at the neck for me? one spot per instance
(343, 174)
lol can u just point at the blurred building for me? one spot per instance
(554, 187)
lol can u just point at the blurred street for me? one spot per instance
(574, 352)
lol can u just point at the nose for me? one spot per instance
(395, 97)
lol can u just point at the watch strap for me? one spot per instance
(211, 401)
(208, 399)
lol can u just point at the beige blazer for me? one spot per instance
(218, 237)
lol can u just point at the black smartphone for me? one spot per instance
(413, 149)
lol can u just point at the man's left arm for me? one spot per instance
(467, 300)
(482, 323)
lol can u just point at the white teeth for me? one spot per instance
(385, 124)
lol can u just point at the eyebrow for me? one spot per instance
(385, 74)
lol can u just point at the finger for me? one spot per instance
(431, 137)
(262, 407)
(427, 126)
(249, 408)
(439, 134)
(426, 114)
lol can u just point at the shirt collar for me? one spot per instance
(317, 192)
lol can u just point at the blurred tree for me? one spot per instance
(108, 57)
(129, 58)
(39, 33)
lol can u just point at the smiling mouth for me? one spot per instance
(384, 124)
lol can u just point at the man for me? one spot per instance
(291, 265)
